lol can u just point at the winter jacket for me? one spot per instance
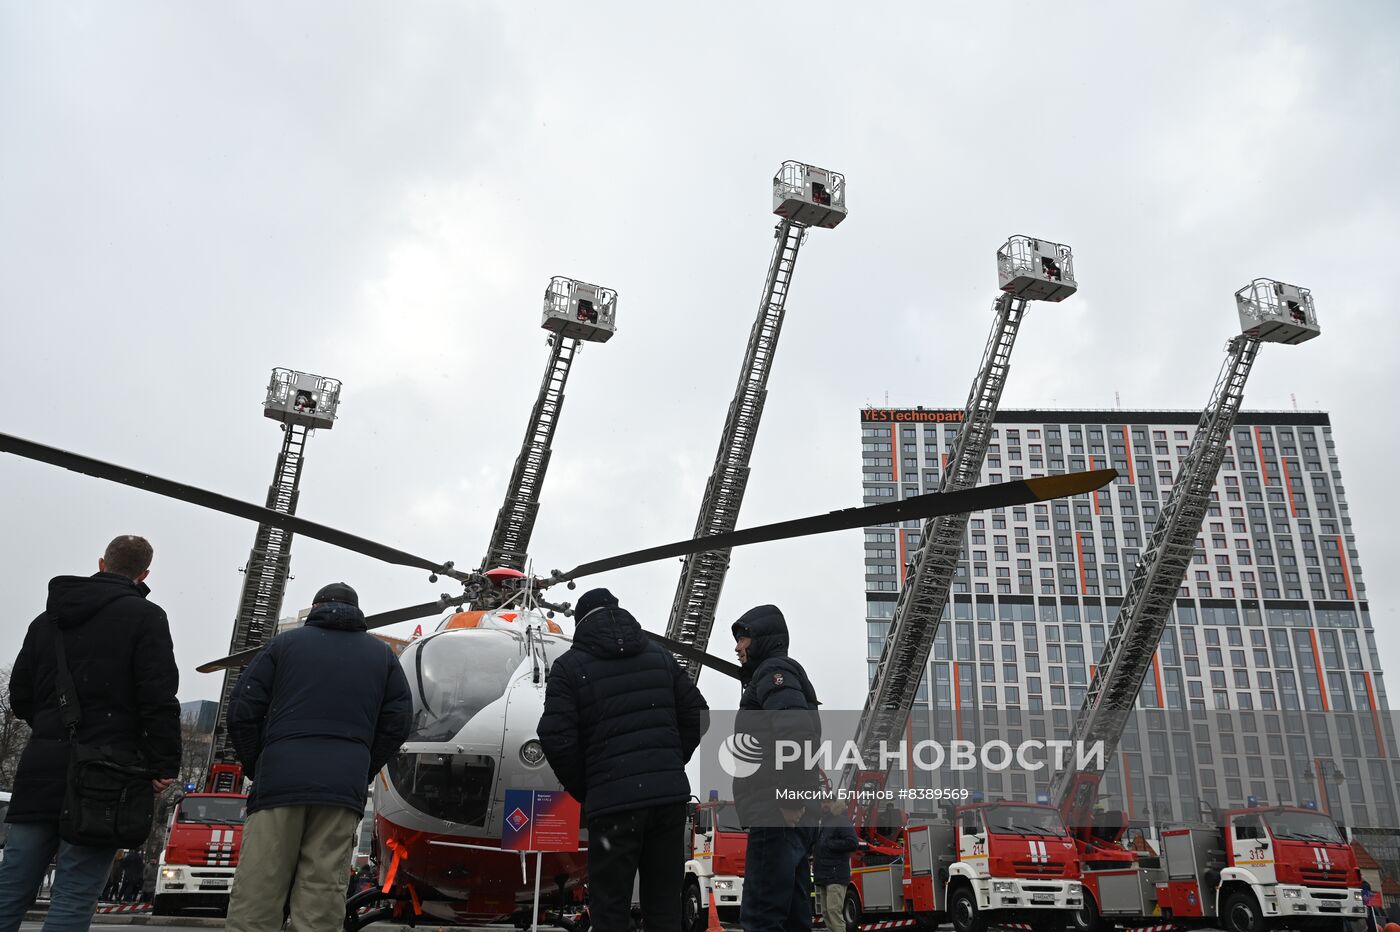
(319, 712)
(123, 667)
(831, 856)
(620, 717)
(777, 702)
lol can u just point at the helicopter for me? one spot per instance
(478, 684)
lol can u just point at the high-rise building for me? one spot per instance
(1271, 621)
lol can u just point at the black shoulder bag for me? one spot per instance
(108, 802)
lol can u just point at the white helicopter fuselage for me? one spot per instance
(478, 687)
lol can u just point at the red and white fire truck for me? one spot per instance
(1264, 866)
(714, 863)
(201, 852)
(990, 863)
(1250, 868)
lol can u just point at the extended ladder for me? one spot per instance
(1147, 604)
(1027, 269)
(510, 538)
(264, 584)
(573, 311)
(702, 578)
(929, 575)
(1269, 311)
(804, 196)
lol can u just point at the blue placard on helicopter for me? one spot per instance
(540, 820)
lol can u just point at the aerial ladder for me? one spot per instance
(574, 311)
(803, 196)
(1027, 269)
(1237, 869)
(301, 402)
(1271, 312)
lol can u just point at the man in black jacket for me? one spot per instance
(314, 717)
(777, 702)
(620, 721)
(123, 667)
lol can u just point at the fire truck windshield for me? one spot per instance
(1303, 826)
(1024, 820)
(455, 675)
(727, 818)
(213, 810)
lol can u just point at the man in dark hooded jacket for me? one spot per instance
(777, 702)
(314, 717)
(119, 654)
(620, 721)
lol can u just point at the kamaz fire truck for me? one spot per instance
(201, 852)
(1251, 868)
(991, 863)
(714, 864)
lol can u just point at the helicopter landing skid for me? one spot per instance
(373, 905)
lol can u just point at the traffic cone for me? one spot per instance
(714, 925)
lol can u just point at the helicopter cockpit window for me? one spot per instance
(454, 677)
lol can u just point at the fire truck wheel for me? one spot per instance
(851, 910)
(1086, 917)
(962, 906)
(1241, 913)
(691, 911)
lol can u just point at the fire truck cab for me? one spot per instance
(991, 863)
(201, 852)
(1267, 867)
(714, 863)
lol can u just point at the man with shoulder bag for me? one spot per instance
(96, 682)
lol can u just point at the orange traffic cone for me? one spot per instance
(714, 925)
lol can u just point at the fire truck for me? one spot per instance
(990, 863)
(983, 862)
(714, 864)
(1248, 868)
(196, 866)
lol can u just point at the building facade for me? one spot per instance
(1271, 624)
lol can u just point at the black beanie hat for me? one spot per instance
(594, 599)
(337, 592)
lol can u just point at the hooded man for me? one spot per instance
(118, 651)
(314, 717)
(620, 722)
(777, 702)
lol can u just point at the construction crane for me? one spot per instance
(1270, 312)
(302, 403)
(574, 311)
(803, 196)
(1027, 269)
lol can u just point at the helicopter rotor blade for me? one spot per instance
(932, 505)
(694, 653)
(411, 613)
(213, 500)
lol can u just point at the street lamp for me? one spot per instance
(1336, 776)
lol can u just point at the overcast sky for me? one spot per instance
(191, 195)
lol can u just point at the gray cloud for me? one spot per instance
(194, 197)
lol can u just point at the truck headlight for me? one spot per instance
(1356, 895)
(724, 885)
(1290, 893)
(169, 873)
(1003, 886)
